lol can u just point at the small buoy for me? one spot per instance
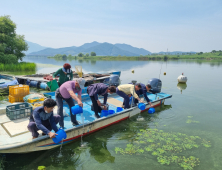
(182, 79)
(132, 71)
(164, 73)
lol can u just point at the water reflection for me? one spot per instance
(100, 152)
(181, 86)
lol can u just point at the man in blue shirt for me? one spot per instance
(42, 119)
(143, 91)
(99, 89)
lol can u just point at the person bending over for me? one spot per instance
(67, 92)
(125, 91)
(143, 91)
(99, 89)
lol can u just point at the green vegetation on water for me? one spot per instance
(23, 66)
(167, 147)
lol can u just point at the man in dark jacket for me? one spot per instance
(42, 119)
(143, 91)
(99, 89)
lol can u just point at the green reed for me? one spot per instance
(22, 66)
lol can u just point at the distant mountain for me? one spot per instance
(138, 51)
(89, 45)
(33, 47)
(105, 49)
(101, 49)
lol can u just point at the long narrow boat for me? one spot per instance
(15, 137)
(36, 80)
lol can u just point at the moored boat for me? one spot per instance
(15, 137)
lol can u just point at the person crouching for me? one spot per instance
(42, 118)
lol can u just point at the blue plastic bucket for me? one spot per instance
(111, 112)
(76, 109)
(141, 106)
(104, 113)
(151, 110)
(33, 83)
(43, 86)
(61, 135)
(119, 109)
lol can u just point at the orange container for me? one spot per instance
(19, 90)
(13, 99)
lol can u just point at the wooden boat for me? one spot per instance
(15, 137)
(35, 80)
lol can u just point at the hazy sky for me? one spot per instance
(155, 25)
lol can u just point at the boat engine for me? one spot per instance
(156, 85)
(113, 80)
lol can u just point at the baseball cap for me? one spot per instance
(81, 82)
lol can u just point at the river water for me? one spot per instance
(194, 110)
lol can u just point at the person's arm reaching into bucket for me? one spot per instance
(146, 97)
(54, 127)
(78, 99)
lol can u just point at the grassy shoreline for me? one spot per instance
(205, 56)
(22, 66)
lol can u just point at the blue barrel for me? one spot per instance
(43, 86)
(33, 84)
(61, 134)
(28, 82)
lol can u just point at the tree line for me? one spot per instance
(12, 45)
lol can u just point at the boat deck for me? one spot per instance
(14, 132)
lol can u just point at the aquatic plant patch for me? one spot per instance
(189, 120)
(167, 147)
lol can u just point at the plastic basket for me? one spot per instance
(19, 90)
(35, 100)
(13, 99)
(18, 111)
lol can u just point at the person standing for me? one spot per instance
(125, 91)
(42, 118)
(65, 74)
(99, 89)
(67, 92)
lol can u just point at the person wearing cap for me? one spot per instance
(42, 118)
(99, 89)
(143, 91)
(125, 91)
(67, 92)
(65, 74)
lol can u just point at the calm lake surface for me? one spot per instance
(195, 111)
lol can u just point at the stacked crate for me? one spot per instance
(18, 111)
(16, 93)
